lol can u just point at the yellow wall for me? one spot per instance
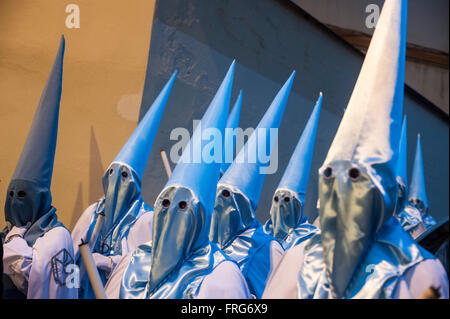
(104, 69)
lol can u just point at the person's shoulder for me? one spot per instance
(282, 282)
(433, 270)
(296, 251)
(54, 241)
(59, 231)
(86, 216)
(429, 273)
(225, 281)
(112, 287)
(145, 219)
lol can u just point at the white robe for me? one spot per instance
(224, 282)
(282, 284)
(276, 254)
(139, 233)
(30, 268)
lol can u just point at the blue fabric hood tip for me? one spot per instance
(230, 140)
(36, 160)
(417, 188)
(297, 172)
(403, 156)
(137, 149)
(246, 176)
(199, 176)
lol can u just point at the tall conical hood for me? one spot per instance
(370, 130)
(194, 171)
(358, 189)
(403, 156)
(296, 175)
(246, 173)
(230, 139)
(137, 149)
(417, 187)
(38, 154)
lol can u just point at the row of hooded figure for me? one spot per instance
(202, 239)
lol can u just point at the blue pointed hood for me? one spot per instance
(38, 154)
(192, 171)
(248, 176)
(417, 187)
(403, 156)
(29, 200)
(296, 176)
(137, 149)
(230, 139)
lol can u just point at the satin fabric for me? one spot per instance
(182, 283)
(232, 214)
(287, 223)
(351, 212)
(38, 154)
(248, 175)
(409, 217)
(251, 250)
(427, 219)
(178, 232)
(390, 255)
(137, 149)
(121, 205)
(28, 200)
(111, 245)
(230, 138)
(33, 211)
(240, 235)
(182, 216)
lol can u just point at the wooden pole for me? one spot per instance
(166, 163)
(92, 271)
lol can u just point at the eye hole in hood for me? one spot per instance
(328, 172)
(354, 173)
(182, 205)
(166, 203)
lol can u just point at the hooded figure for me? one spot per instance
(362, 251)
(180, 262)
(407, 214)
(287, 222)
(127, 218)
(234, 227)
(417, 193)
(37, 247)
(230, 138)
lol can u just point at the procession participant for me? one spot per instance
(37, 247)
(234, 227)
(288, 223)
(407, 214)
(230, 138)
(180, 261)
(417, 193)
(124, 216)
(362, 251)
